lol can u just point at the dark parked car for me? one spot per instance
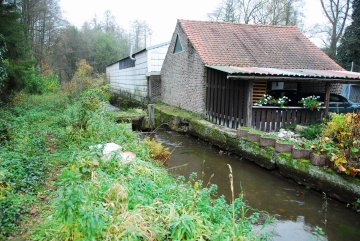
(338, 103)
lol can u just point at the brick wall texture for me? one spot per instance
(319, 88)
(154, 88)
(183, 76)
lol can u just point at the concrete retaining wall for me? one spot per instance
(341, 187)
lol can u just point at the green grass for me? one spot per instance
(45, 151)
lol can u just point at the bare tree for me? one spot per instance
(248, 10)
(42, 20)
(140, 32)
(226, 11)
(274, 12)
(337, 13)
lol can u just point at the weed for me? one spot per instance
(102, 199)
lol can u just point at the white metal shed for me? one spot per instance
(138, 76)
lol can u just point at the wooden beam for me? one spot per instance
(249, 103)
(292, 78)
(327, 98)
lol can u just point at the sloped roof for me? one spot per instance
(264, 46)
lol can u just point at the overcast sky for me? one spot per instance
(161, 15)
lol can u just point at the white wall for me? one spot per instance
(156, 58)
(130, 80)
(133, 80)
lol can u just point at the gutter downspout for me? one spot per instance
(131, 57)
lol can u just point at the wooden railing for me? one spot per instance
(271, 118)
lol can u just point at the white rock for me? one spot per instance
(109, 150)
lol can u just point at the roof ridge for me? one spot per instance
(240, 24)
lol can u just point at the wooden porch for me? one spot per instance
(272, 118)
(230, 99)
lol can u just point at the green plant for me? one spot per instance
(311, 132)
(311, 102)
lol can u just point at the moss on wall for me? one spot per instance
(346, 189)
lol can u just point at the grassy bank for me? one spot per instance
(63, 190)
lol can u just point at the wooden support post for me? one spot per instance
(249, 103)
(151, 116)
(327, 98)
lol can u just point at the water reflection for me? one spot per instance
(298, 209)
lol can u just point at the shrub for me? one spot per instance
(311, 132)
(157, 151)
(341, 137)
(38, 84)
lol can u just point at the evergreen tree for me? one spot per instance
(14, 53)
(349, 49)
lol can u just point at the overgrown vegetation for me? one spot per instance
(340, 140)
(46, 137)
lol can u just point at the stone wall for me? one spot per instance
(183, 76)
(319, 88)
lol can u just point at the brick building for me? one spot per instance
(220, 69)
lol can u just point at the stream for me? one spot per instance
(299, 211)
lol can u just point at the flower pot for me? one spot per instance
(253, 137)
(266, 141)
(283, 147)
(242, 132)
(300, 153)
(317, 159)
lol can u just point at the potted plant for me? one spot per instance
(242, 131)
(270, 100)
(283, 146)
(317, 156)
(254, 135)
(267, 140)
(301, 150)
(311, 102)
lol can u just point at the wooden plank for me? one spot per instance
(327, 98)
(227, 103)
(258, 119)
(232, 102)
(213, 102)
(254, 113)
(273, 120)
(222, 102)
(288, 116)
(241, 107)
(249, 103)
(218, 101)
(208, 90)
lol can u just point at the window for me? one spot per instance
(178, 48)
(126, 63)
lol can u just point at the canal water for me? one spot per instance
(299, 211)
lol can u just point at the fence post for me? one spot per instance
(151, 116)
(249, 103)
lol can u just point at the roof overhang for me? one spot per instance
(152, 73)
(273, 74)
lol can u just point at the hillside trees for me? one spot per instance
(100, 42)
(349, 49)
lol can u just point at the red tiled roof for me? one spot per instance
(267, 46)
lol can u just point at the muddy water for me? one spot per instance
(298, 210)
